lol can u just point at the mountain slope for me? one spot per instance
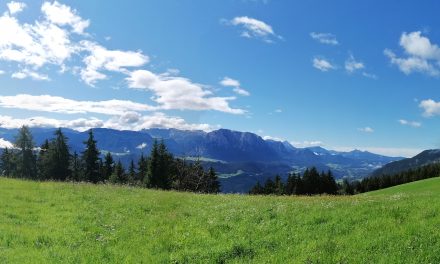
(424, 158)
(241, 158)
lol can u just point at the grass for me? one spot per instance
(83, 223)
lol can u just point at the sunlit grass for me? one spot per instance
(74, 223)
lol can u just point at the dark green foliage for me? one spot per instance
(90, 158)
(54, 162)
(108, 167)
(6, 162)
(118, 175)
(384, 181)
(310, 183)
(159, 167)
(76, 168)
(26, 166)
(142, 169)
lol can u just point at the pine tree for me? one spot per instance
(159, 167)
(76, 168)
(143, 168)
(26, 160)
(43, 161)
(59, 157)
(212, 182)
(90, 158)
(118, 175)
(108, 167)
(132, 173)
(6, 163)
(279, 186)
(257, 189)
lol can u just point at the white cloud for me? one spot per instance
(30, 74)
(273, 138)
(172, 92)
(306, 143)
(351, 65)
(101, 58)
(370, 75)
(142, 146)
(63, 15)
(421, 55)
(5, 144)
(254, 28)
(2, 72)
(56, 104)
(323, 64)
(409, 123)
(366, 129)
(325, 38)
(430, 107)
(236, 86)
(155, 120)
(278, 110)
(15, 7)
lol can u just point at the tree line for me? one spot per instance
(388, 180)
(54, 161)
(310, 183)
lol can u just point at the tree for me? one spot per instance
(132, 173)
(59, 157)
(142, 169)
(159, 167)
(43, 161)
(212, 184)
(279, 186)
(90, 158)
(118, 175)
(108, 167)
(6, 163)
(26, 161)
(257, 189)
(76, 168)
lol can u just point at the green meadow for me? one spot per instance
(51, 222)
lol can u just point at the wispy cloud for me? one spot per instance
(352, 65)
(325, 38)
(323, 64)
(306, 143)
(235, 84)
(15, 7)
(409, 123)
(254, 28)
(366, 129)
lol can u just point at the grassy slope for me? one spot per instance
(62, 222)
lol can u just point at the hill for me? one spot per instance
(72, 223)
(241, 158)
(424, 158)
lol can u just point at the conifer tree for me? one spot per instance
(59, 157)
(90, 158)
(131, 173)
(76, 168)
(118, 175)
(212, 182)
(6, 163)
(26, 160)
(43, 161)
(142, 169)
(108, 166)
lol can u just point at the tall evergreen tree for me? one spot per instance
(108, 166)
(142, 169)
(43, 161)
(59, 157)
(26, 160)
(159, 167)
(76, 168)
(118, 175)
(6, 163)
(212, 182)
(131, 173)
(90, 158)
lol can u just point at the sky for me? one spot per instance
(339, 74)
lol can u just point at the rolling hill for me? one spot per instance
(53, 222)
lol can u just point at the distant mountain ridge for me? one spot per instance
(424, 158)
(241, 158)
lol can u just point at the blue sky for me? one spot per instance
(343, 75)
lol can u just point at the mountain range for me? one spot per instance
(240, 158)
